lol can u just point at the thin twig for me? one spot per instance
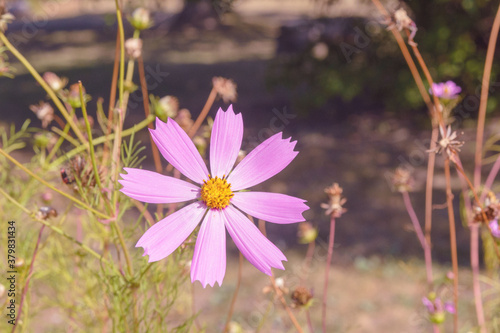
(327, 271)
(277, 290)
(484, 98)
(453, 241)
(235, 295)
(28, 279)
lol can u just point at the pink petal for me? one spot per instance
(266, 160)
(225, 142)
(251, 242)
(178, 149)
(152, 187)
(165, 236)
(209, 260)
(271, 207)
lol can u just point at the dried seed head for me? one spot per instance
(133, 47)
(141, 19)
(402, 19)
(226, 88)
(334, 207)
(490, 211)
(55, 82)
(44, 112)
(402, 180)
(301, 297)
(307, 233)
(45, 212)
(448, 143)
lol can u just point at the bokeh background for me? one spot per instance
(326, 73)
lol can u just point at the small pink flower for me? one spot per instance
(218, 201)
(495, 228)
(446, 90)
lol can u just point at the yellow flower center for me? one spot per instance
(216, 192)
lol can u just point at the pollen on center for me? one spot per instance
(216, 192)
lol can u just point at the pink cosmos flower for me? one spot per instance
(495, 228)
(218, 201)
(446, 90)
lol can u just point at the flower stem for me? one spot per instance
(44, 85)
(28, 279)
(421, 237)
(53, 228)
(70, 197)
(453, 241)
(235, 295)
(327, 271)
(145, 102)
(132, 130)
(203, 113)
(484, 98)
(277, 290)
(474, 262)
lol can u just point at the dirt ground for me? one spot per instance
(376, 282)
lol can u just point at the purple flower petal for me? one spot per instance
(266, 160)
(152, 187)
(225, 142)
(251, 242)
(271, 207)
(165, 236)
(449, 307)
(209, 260)
(428, 304)
(178, 149)
(495, 228)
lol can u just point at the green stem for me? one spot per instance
(52, 227)
(44, 85)
(104, 138)
(70, 197)
(60, 141)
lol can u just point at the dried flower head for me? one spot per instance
(226, 88)
(55, 82)
(307, 233)
(141, 19)
(490, 211)
(184, 119)
(401, 21)
(45, 212)
(81, 171)
(448, 144)
(301, 297)
(44, 112)
(133, 47)
(335, 203)
(5, 19)
(402, 180)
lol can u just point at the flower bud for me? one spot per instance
(133, 47)
(141, 19)
(184, 119)
(44, 112)
(55, 82)
(166, 107)
(301, 296)
(226, 88)
(307, 233)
